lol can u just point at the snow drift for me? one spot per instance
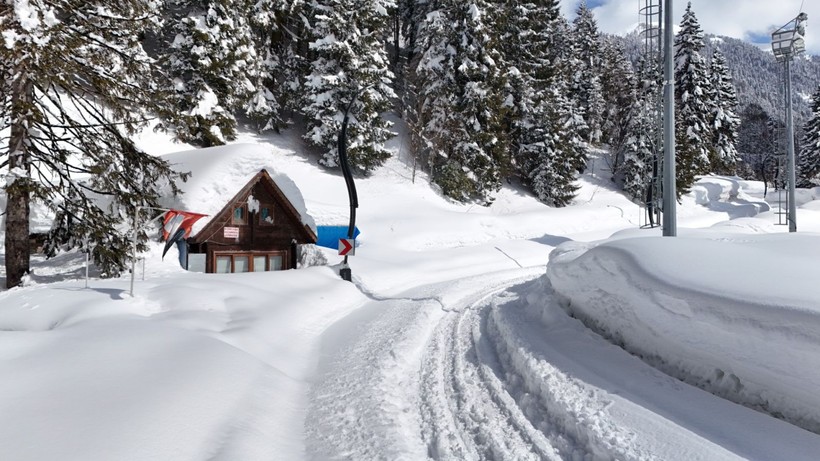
(708, 309)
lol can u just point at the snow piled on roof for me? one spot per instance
(218, 173)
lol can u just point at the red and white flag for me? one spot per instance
(176, 225)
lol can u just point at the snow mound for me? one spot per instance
(707, 309)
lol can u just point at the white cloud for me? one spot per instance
(743, 19)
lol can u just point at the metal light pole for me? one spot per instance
(670, 224)
(786, 43)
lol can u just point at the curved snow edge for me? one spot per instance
(746, 351)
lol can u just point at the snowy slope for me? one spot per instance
(451, 344)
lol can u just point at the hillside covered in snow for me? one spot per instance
(513, 331)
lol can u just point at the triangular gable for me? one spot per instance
(218, 222)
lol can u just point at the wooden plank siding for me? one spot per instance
(256, 236)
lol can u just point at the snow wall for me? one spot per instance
(708, 311)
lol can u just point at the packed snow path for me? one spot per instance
(492, 368)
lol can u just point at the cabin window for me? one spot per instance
(259, 263)
(249, 262)
(275, 262)
(239, 215)
(266, 215)
(240, 264)
(223, 264)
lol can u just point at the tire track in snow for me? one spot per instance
(424, 377)
(466, 412)
(571, 412)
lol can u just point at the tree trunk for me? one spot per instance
(18, 191)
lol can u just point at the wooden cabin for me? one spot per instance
(257, 230)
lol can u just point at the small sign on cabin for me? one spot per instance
(230, 232)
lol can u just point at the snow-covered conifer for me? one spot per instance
(641, 145)
(551, 151)
(618, 85)
(280, 66)
(76, 83)
(809, 163)
(457, 81)
(213, 63)
(725, 121)
(759, 143)
(546, 126)
(411, 14)
(348, 61)
(693, 104)
(586, 77)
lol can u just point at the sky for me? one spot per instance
(751, 20)
(459, 337)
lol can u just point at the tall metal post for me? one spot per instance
(792, 216)
(670, 225)
(787, 42)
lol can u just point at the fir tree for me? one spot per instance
(349, 61)
(725, 121)
(546, 145)
(618, 85)
(75, 84)
(214, 65)
(641, 146)
(758, 143)
(809, 164)
(280, 67)
(551, 151)
(411, 14)
(527, 60)
(586, 77)
(458, 85)
(693, 104)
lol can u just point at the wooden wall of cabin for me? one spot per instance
(255, 235)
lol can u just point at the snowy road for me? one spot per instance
(492, 368)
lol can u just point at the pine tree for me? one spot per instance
(280, 66)
(214, 64)
(586, 84)
(725, 121)
(641, 145)
(411, 14)
(618, 85)
(545, 127)
(75, 84)
(349, 62)
(693, 109)
(809, 163)
(551, 151)
(758, 143)
(458, 84)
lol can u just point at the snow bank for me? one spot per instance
(709, 309)
(195, 367)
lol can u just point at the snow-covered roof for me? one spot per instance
(218, 173)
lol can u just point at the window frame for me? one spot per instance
(244, 220)
(250, 255)
(270, 209)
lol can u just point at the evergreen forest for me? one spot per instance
(491, 92)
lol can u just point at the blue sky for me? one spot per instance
(751, 20)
